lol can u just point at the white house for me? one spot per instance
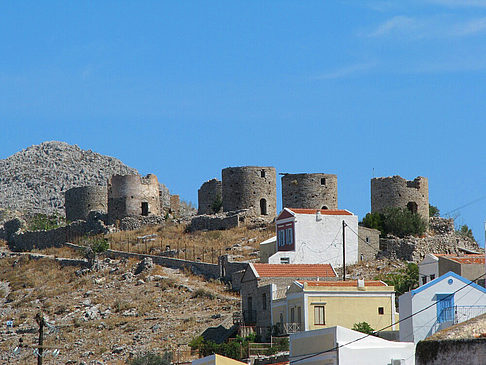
(441, 303)
(313, 236)
(342, 346)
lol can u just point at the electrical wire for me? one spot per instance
(384, 328)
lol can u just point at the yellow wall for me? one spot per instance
(346, 311)
(217, 360)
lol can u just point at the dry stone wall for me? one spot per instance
(250, 187)
(396, 192)
(208, 194)
(312, 191)
(82, 200)
(132, 195)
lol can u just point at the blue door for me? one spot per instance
(445, 307)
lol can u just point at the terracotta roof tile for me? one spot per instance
(294, 270)
(466, 259)
(353, 283)
(323, 211)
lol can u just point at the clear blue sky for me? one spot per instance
(183, 89)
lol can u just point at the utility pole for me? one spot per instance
(39, 318)
(344, 251)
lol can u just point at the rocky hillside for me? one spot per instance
(34, 180)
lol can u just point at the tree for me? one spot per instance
(464, 230)
(433, 211)
(363, 327)
(397, 221)
(403, 280)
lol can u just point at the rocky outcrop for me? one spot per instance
(441, 238)
(34, 180)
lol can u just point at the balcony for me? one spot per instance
(288, 328)
(461, 313)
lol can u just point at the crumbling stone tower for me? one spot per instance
(312, 191)
(132, 195)
(78, 202)
(208, 194)
(250, 187)
(395, 191)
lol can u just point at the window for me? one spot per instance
(424, 279)
(381, 310)
(445, 307)
(292, 315)
(264, 301)
(289, 236)
(285, 260)
(262, 173)
(319, 315)
(367, 239)
(323, 181)
(281, 238)
(299, 315)
(412, 206)
(432, 277)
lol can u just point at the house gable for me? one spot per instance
(444, 277)
(284, 214)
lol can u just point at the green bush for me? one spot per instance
(97, 244)
(363, 327)
(151, 358)
(396, 221)
(43, 222)
(403, 280)
(217, 204)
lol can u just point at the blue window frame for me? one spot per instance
(445, 307)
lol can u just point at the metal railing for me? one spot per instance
(292, 328)
(460, 313)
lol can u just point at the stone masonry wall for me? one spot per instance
(462, 351)
(209, 192)
(29, 240)
(127, 195)
(395, 191)
(250, 187)
(368, 243)
(78, 202)
(312, 191)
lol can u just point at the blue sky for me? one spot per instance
(183, 89)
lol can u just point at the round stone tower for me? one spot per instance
(395, 191)
(78, 202)
(132, 195)
(209, 195)
(312, 191)
(250, 187)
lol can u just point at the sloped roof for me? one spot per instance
(323, 211)
(294, 270)
(445, 276)
(467, 259)
(352, 283)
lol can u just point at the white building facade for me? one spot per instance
(439, 304)
(313, 236)
(342, 346)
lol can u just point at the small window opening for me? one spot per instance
(263, 207)
(285, 260)
(145, 209)
(424, 279)
(323, 181)
(367, 239)
(324, 207)
(262, 173)
(412, 206)
(381, 310)
(432, 276)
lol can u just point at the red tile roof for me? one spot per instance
(323, 211)
(466, 259)
(294, 270)
(353, 283)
